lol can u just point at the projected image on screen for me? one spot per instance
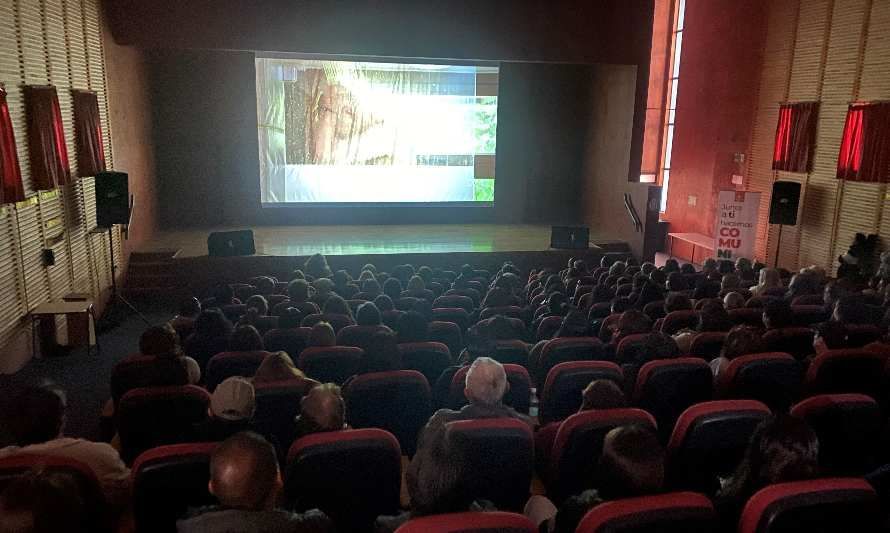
(390, 133)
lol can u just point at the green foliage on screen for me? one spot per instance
(483, 190)
(486, 125)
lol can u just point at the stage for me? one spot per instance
(179, 258)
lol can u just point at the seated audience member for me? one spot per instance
(602, 293)
(412, 327)
(502, 328)
(211, 336)
(244, 477)
(322, 334)
(298, 293)
(783, 448)
(417, 289)
(676, 282)
(278, 366)
(777, 314)
(52, 500)
(297, 274)
(649, 292)
(343, 285)
(382, 354)
(741, 340)
(707, 288)
(231, 409)
(367, 314)
(265, 285)
(671, 265)
(184, 322)
(499, 297)
(486, 384)
(711, 317)
(657, 346)
(677, 301)
(602, 394)
(709, 265)
(162, 343)
(745, 271)
(335, 305)
(258, 302)
(321, 410)
(733, 300)
(286, 337)
(769, 279)
(245, 339)
(687, 268)
(370, 289)
(632, 464)
(829, 336)
(647, 268)
(730, 282)
(631, 322)
(324, 288)
(659, 278)
(833, 292)
(851, 309)
(316, 266)
(221, 295)
(392, 287)
(574, 324)
(803, 284)
(35, 422)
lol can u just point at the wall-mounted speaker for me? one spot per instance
(784, 202)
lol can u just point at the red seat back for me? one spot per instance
(277, 406)
(851, 370)
(16, 466)
(354, 476)
(772, 378)
(655, 310)
(561, 394)
(858, 335)
(675, 512)
(566, 349)
(628, 343)
(453, 314)
(832, 504)
(428, 358)
(548, 327)
(511, 352)
(144, 371)
(708, 344)
(448, 333)
(336, 321)
(227, 364)
(747, 316)
(333, 364)
(290, 340)
(358, 336)
(454, 301)
(668, 387)
(168, 481)
(476, 522)
(677, 320)
(798, 341)
(511, 311)
(807, 315)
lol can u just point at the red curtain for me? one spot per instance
(865, 145)
(46, 138)
(12, 189)
(88, 133)
(795, 137)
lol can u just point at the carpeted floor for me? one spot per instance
(85, 378)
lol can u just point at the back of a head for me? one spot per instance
(416, 283)
(222, 294)
(486, 382)
(367, 314)
(709, 265)
(621, 304)
(384, 303)
(392, 287)
(52, 500)
(602, 394)
(671, 265)
(850, 309)
(35, 415)
(777, 314)
(412, 327)
(159, 341)
(259, 303)
(336, 305)
(316, 266)
(677, 301)
(290, 318)
(277, 366)
(340, 278)
(733, 300)
(212, 323)
(371, 286)
(741, 340)
(713, 317)
(687, 268)
(323, 407)
(574, 324)
(322, 334)
(233, 400)
(632, 463)
(634, 321)
(730, 281)
(244, 472)
(245, 339)
(298, 290)
(190, 307)
(265, 285)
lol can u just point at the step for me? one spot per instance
(154, 255)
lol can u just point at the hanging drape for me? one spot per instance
(795, 137)
(12, 189)
(46, 137)
(88, 133)
(865, 144)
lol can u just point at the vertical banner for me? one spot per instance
(736, 224)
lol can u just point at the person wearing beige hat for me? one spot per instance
(232, 405)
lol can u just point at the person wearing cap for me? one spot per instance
(231, 409)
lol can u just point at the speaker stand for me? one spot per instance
(116, 298)
(778, 247)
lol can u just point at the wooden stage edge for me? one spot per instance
(281, 249)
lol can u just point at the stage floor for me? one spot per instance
(370, 240)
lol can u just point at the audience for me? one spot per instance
(246, 339)
(322, 334)
(245, 479)
(278, 366)
(53, 500)
(602, 394)
(211, 336)
(777, 314)
(162, 344)
(829, 336)
(298, 293)
(770, 280)
(733, 300)
(232, 405)
(741, 340)
(184, 322)
(412, 327)
(321, 410)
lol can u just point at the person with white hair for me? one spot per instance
(485, 387)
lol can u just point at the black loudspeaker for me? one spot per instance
(112, 199)
(783, 205)
(230, 243)
(570, 237)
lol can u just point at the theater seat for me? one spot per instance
(677, 320)
(518, 395)
(579, 444)
(676, 512)
(709, 441)
(277, 406)
(354, 476)
(154, 416)
(654, 310)
(137, 371)
(15, 466)
(747, 316)
(808, 299)
(819, 505)
(227, 364)
(708, 344)
(455, 300)
(797, 341)
(807, 315)
(668, 387)
(498, 458)
(511, 352)
(358, 336)
(290, 340)
(167, 482)
(567, 349)
(470, 522)
(511, 311)
(628, 343)
(334, 364)
(548, 327)
(428, 358)
(772, 378)
(473, 294)
(849, 430)
(561, 394)
(336, 321)
(453, 314)
(397, 401)
(851, 370)
(858, 335)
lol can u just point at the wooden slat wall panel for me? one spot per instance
(807, 68)
(75, 39)
(10, 69)
(32, 36)
(31, 239)
(75, 221)
(12, 297)
(96, 64)
(52, 223)
(875, 85)
(843, 50)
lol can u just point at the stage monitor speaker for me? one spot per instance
(112, 199)
(230, 243)
(784, 203)
(570, 237)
